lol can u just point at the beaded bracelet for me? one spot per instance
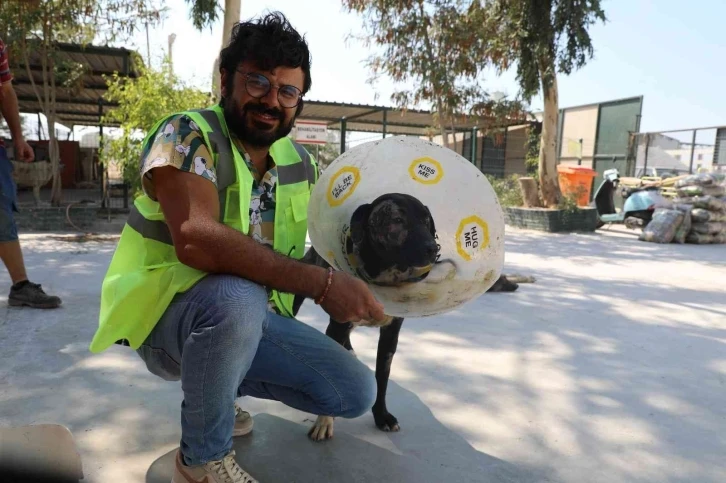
(327, 287)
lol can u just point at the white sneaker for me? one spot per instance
(243, 422)
(225, 470)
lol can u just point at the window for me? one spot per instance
(678, 157)
(700, 157)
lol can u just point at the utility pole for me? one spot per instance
(148, 46)
(171, 38)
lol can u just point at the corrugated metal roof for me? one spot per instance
(369, 118)
(82, 105)
(75, 106)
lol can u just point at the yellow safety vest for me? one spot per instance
(145, 273)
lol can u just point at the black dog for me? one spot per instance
(392, 241)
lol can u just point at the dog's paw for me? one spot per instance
(322, 429)
(387, 422)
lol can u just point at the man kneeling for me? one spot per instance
(202, 282)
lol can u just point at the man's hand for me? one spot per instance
(350, 300)
(23, 151)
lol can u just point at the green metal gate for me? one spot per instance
(616, 121)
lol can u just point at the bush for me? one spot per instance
(568, 202)
(507, 190)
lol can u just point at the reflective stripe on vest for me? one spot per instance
(152, 229)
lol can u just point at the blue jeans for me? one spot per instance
(222, 342)
(8, 228)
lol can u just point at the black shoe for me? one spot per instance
(31, 295)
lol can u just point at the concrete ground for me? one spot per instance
(610, 368)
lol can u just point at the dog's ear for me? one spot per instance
(358, 223)
(431, 217)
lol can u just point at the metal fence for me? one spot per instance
(500, 154)
(109, 194)
(83, 178)
(677, 152)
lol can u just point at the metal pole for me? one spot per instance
(473, 145)
(342, 135)
(171, 38)
(100, 150)
(645, 163)
(579, 159)
(385, 122)
(148, 45)
(693, 148)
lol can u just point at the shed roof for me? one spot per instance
(83, 106)
(75, 106)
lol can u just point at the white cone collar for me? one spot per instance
(468, 219)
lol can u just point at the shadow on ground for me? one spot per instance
(610, 368)
(278, 451)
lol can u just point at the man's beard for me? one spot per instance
(242, 125)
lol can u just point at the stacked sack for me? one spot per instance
(703, 196)
(697, 216)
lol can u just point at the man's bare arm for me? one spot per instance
(191, 207)
(9, 109)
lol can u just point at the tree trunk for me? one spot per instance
(232, 12)
(54, 154)
(442, 122)
(530, 193)
(453, 133)
(549, 184)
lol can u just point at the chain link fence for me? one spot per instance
(666, 154)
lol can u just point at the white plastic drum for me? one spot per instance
(465, 209)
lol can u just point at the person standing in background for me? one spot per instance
(23, 292)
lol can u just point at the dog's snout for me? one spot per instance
(431, 249)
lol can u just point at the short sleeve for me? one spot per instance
(5, 75)
(179, 143)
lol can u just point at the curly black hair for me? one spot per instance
(269, 42)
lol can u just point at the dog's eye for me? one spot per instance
(398, 220)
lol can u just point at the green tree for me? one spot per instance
(543, 38)
(427, 46)
(140, 103)
(34, 30)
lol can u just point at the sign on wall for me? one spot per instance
(311, 132)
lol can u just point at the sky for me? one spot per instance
(668, 51)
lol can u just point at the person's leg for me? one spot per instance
(22, 292)
(10, 252)
(207, 338)
(307, 370)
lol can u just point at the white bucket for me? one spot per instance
(465, 209)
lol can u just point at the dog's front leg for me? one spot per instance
(340, 333)
(387, 344)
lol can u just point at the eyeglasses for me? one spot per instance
(258, 86)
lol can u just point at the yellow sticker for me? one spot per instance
(426, 170)
(342, 185)
(472, 236)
